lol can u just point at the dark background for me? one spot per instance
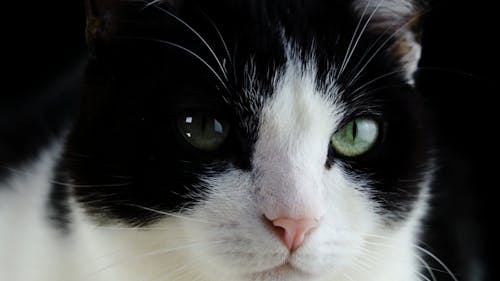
(460, 80)
(45, 46)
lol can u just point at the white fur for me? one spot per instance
(226, 237)
(411, 58)
(30, 250)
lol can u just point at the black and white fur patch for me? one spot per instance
(138, 202)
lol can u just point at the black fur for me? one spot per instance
(29, 125)
(58, 205)
(124, 150)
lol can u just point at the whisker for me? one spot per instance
(367, 52)
(371, 259)
(352, 38)
(132, 228)
(438, 261)
(167, 273)
(421, 249)
(151, 253)
(90, 185)
(20, 172)
(347, 276)
(375, 80)
(362, 30)
(169, 250)
(17, 171)
(171, 214)
(224, 71)
(220, 37)
(358, 98)
(182, 272)
(152, 3)
(366, 265)
(384, 43)
(427, 267)
(186, 50)
(423, 276)
(116, 252)
(233, 59)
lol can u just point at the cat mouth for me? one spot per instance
(286, 267)
(284, 270)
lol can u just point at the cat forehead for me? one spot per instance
(251, 46)
(299, 113)
(200, 53)
(289, 98)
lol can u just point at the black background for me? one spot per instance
(460, 81)
(44, 41)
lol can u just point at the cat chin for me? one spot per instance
(282, 272)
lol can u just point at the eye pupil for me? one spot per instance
(354, 130)
(203, 124)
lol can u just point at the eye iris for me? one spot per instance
(356, 138)
(203, 131)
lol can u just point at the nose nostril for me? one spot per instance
(280, 231)
(292, 231)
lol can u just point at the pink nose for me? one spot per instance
(293, 230)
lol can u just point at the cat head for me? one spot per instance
(279, 135)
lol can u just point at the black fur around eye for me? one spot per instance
(203, 130)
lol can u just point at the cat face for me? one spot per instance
(279, 137)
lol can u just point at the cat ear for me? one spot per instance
(400, 20)
(105, 17)
(101, 20)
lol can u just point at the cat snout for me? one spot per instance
(293, 231)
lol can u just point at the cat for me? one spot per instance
(232, 140)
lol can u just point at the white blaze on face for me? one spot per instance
(291, 152)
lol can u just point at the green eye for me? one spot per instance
(203, 130)
(356, 138)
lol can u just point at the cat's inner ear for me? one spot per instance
(399, 21)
